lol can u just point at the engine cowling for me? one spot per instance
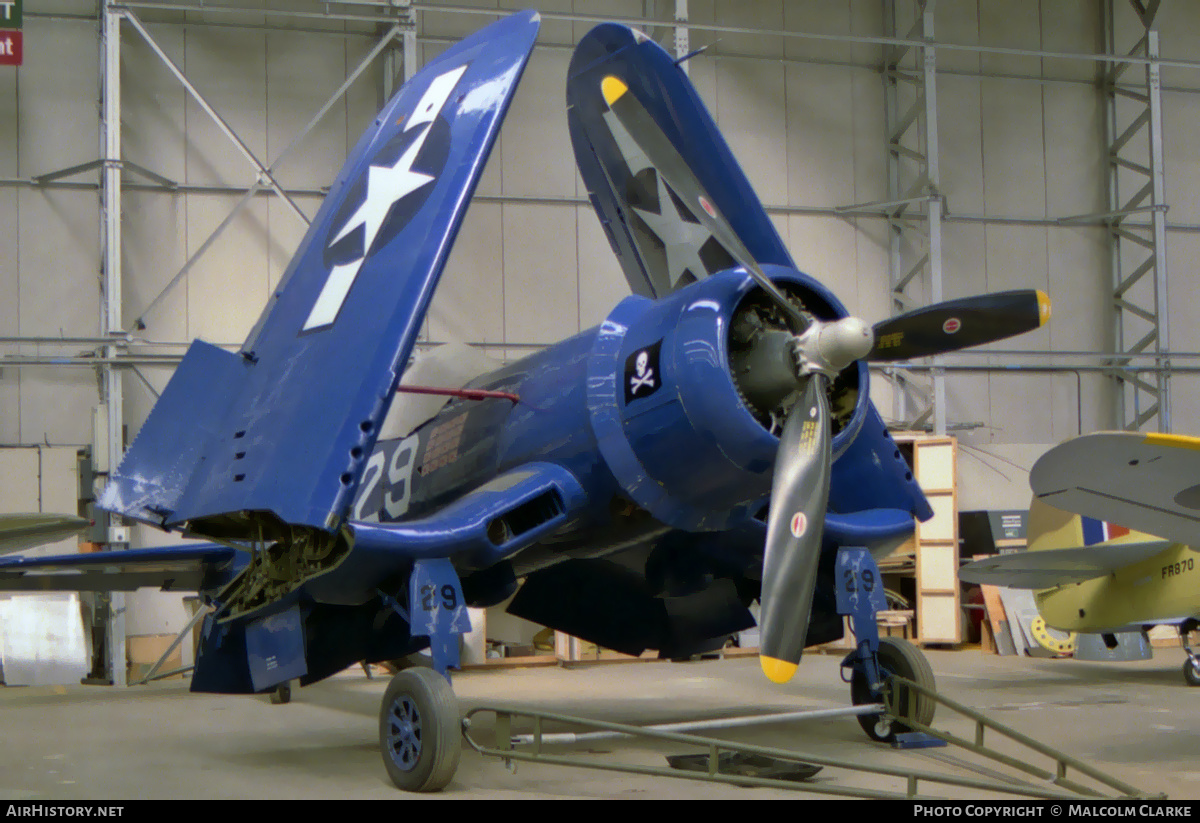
(686, 395)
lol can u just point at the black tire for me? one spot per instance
(282, 694)
(896, 656)
(420, 734)
(1191, 672)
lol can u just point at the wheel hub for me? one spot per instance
(404, 736)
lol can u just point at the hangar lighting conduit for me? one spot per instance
(387, 13)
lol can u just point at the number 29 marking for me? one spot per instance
(852, 579)
(429, 597)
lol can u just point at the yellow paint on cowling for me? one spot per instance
(612, 88)
(1043, 307)
(777, 671)
(1173, 441)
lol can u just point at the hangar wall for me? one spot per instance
(1021, 145)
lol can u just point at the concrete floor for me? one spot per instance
(1136, 721)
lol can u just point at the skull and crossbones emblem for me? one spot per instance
(644, 376)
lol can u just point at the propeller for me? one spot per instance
(819, 350)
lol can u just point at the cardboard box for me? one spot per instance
(143, 651)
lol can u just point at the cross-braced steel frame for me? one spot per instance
(1137, 247)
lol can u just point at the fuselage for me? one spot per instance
(647, 412)
(1160, 588)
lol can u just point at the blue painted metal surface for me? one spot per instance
(438, 610)
(860, 589)
(860, 596)
(275, 649)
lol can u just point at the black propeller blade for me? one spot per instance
(799, 495)
(959, 324)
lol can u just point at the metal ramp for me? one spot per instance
(715, 755)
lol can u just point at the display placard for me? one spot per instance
(12, 48)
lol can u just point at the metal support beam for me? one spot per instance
(1133, 121)
(911, 125)
(110, 321)
(683, 37)
(265, 178)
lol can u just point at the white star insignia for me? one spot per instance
(385, 186)
(680, 237)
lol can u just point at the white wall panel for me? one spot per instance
(155, 231)
(228, 69)
(960, 140)
(153, 103)
(820, 167)
(541, 287)
(1074, 150)
(1009, 24)
(1014, 169)
(227, 287)
(469, 302)
(751, 114)
(602, 284)
(536, 151)
(56, 239)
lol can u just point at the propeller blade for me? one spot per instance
(959, 324)
(799, 496)
(680, 177)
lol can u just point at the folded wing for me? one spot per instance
(286, 425)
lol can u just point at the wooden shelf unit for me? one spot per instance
(934, 461)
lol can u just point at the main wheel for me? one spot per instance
(1191, 671)
(896, 656)
(420, 736)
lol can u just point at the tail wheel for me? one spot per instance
(1191, 671)
(420, 735)
(896, 656)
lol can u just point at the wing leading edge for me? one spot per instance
(286, 425)
(1058, 567)
(172, 568)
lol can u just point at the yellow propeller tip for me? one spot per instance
(777, 671)
(1043, 307)
(612, 88)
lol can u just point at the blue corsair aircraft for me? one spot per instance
(638, 485)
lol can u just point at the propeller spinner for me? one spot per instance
(819, 350)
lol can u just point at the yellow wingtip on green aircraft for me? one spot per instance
(1092, 576)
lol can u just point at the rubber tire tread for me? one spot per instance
(1191, 672)
(903, 658)
(441, 721)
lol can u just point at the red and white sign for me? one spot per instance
(11, 48)
(952, 325)
(799, 524)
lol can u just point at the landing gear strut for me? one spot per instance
(1191, 666)
(420, 725)
(860, 595)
